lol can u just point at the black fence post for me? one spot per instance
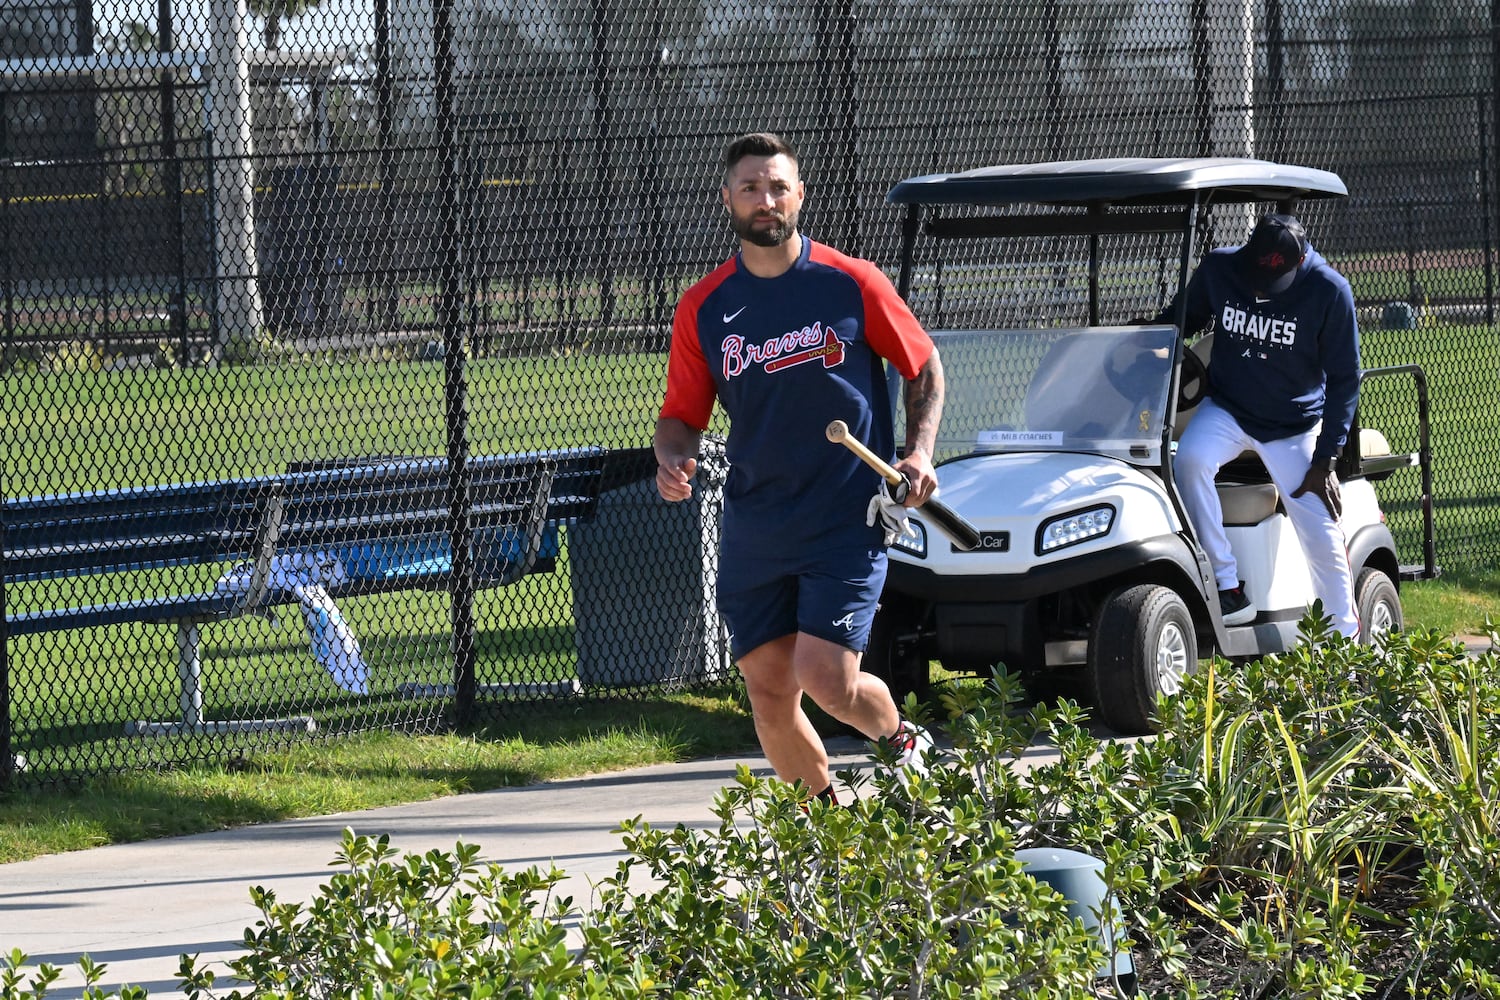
(603, 164)
(7, 758)
(656, 232)
(455, 376)
(1202, 79)
(1409, 219)
(9, 275)
(1491, 223)
(385, 299)
(1272, 138)
(172, 184)
(1055, 118)
(656, 259)
(1486, 213)
(849, 62)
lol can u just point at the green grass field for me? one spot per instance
(80, 430)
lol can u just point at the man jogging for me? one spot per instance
(789, 335)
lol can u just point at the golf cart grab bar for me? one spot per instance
(1422, 458)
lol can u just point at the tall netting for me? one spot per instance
(334, 332)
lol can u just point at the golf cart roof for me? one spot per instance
(1122, 181)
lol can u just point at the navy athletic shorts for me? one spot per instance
(828, 594)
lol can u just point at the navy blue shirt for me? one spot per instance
(1280, 362)
(785, 356)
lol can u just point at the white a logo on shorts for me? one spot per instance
(847, 622)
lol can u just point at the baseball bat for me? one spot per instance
(953, 524)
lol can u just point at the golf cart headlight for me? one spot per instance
(915, 546)
(1070, 529)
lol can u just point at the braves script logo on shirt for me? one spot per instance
(798, 347)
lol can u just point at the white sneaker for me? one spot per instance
(911, 744)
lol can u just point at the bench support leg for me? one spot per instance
(190, 699)
(190, 672)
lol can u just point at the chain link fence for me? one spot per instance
(332, 333)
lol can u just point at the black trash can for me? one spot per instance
(643, 575)
(299, 261)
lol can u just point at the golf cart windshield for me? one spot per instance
(1096, 389)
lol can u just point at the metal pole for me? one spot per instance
(909, 229)
(603, 163)
(1409, 214)
(1276, 79)
(7, 758)
(1055, 116)
(1489, 217)
(1184, 266)
(1486, 213)
(1094, 266)
(658, 264)
(9, 276)
(385, 117)
(172, 181)
(823, 41)
(455, 378)
(850, 63)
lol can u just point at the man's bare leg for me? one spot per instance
(776, 676)
(787, 736)
(830, 675)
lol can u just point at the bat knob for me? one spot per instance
(837, 431)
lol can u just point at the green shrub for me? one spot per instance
(1320, 824)
(245, 349)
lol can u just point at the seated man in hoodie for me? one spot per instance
(1283, 382)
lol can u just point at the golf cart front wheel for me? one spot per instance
(1142, 645)
(893, 653)
(1379, 605)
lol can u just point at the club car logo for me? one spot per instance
(989, 541)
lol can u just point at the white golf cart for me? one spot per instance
(1056, 444)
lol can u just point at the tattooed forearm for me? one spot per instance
(924, 406)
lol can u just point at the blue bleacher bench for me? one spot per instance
(385, 520)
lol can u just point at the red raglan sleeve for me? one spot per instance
(690, 385)
(890, 328)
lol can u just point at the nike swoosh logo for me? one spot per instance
(729, 317)
(1260, 301)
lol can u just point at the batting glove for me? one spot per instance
(890, 514)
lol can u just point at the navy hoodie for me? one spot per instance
(1280, 362)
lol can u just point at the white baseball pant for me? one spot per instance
(1214, 438)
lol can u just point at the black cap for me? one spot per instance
(1270, 257)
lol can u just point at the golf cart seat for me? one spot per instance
(1373, 444)
(1247, 503)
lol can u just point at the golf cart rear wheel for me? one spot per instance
(1379, 605)
(893, 652)
(1142, 645)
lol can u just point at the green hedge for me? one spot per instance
(1321, 824)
